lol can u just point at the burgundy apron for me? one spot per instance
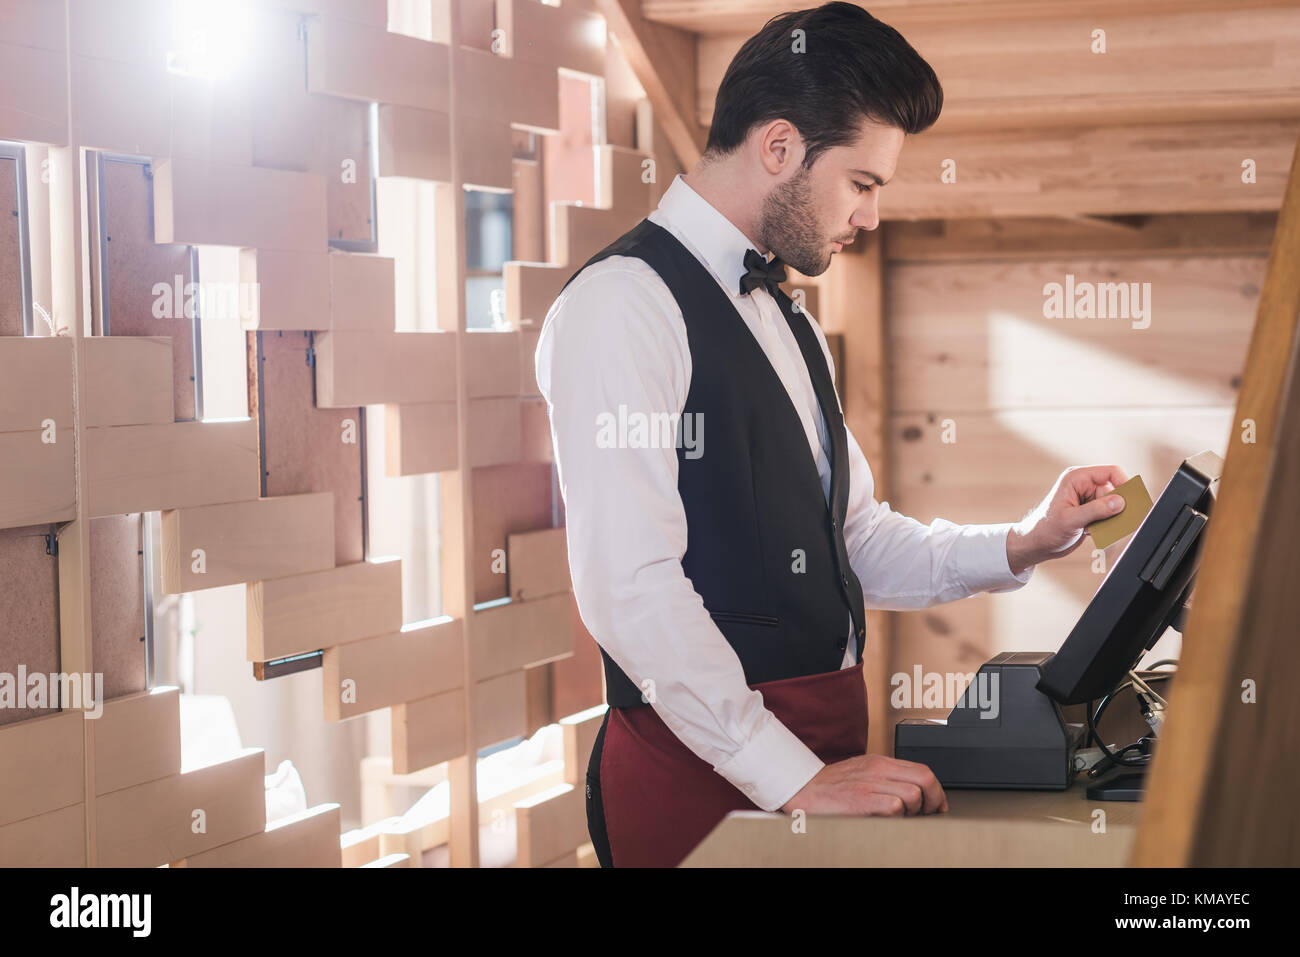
(660, 800)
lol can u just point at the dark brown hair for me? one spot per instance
(852, 66)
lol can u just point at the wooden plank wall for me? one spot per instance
(275, 158)
(1024, 396)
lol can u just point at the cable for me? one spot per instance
(1093, 718)
(1147, 688)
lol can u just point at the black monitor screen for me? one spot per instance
(1143, 592)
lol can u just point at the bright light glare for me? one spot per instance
(209, 38)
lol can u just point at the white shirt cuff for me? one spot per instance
(983, 563)
(772, 766)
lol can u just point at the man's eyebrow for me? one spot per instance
(869, 175)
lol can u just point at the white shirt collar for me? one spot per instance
(713, 238)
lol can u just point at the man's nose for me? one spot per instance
(867, 217)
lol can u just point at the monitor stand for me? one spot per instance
(1119, 784)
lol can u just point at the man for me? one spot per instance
(724, 569)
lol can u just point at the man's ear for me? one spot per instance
(780, 147)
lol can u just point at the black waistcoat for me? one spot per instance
(764, 551)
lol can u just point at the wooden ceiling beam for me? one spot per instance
(664, 61)
(1192, 65)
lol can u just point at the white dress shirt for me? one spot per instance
(616, 337)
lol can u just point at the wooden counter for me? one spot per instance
(980, 829)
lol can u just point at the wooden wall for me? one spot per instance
(1024, 396)
(359, 347)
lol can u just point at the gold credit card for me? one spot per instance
(1137, 502)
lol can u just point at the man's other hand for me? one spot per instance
(872, 785)
(1055, 528)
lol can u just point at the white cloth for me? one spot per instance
(616, 337)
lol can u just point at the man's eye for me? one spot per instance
(862, 188)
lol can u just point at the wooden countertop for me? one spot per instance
(980, 829)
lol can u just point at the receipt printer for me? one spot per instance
(1003, 733)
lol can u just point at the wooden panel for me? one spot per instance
(420, 438)
(37, 483)
(29, 609)
(555, 36)
(538, 563)
(342, 156)
(622, 179)
(307, 839)
(140, 468)
(146, 279)
(303, 613)
(128, 380)
(518, 634)
(211, 120)
(117, 601)
(368, 63)
(154, 823)
(389, 860)
(1026, 63)
(500, 709)
(1040, 237)
(138, 739)
(492, 361)
(550, 825)
(391, 669)
(580, 732)
(535, 443)
(361, 292)
(485, 152)
(971, 329)
(579, 232)
(55, 839)
(1197, 168)
(41, 765)
(369, 368)
(511, 91)
(494, 431)
(33, 94)
(306, 448)
(247, 541)
(35, 383)
(530, 290)
(528, 361)
(507, 499)
(11, 255)
(1205, 803)
(122, 107)
(293, 288)
(428, 731)
(224, 205)
(414, 143)
(578, 682)
(962, 481)
(528, 229)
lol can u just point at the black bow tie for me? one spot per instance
(760, 272)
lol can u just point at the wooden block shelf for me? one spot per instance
(297, 614)
(213, 545)
(141, 468)
(220, 204)
(387, 670)
(420, 438)
(155, 823)
(138, 739)
(293, 288)
(307, 839)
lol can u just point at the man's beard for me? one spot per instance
(787, 225)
